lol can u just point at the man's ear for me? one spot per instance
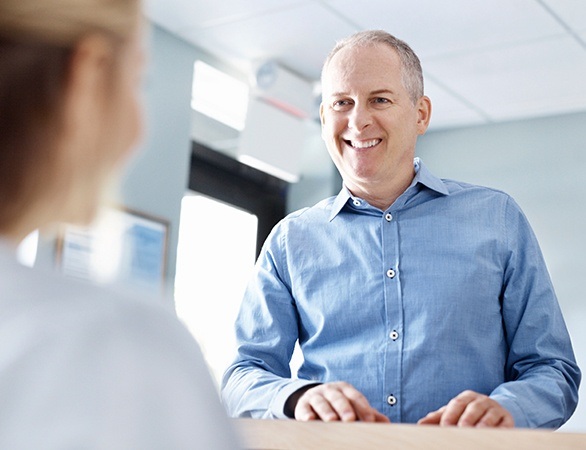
(322, 118)
(423, 114)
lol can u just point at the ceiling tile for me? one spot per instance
(287, 36)
(447, 110)
(521, 81)
(441, 27)
(571, 12)
(175, 15)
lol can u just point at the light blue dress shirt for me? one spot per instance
(446, 290)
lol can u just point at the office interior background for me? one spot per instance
(233, 138)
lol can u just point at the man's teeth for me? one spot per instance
(364, 144)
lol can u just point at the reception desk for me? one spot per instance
(292, 435)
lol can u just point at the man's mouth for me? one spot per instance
(362, 144)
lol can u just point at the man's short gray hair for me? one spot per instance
(412, 75)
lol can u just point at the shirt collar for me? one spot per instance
(339, 202)
(428, 179)
(422, 176)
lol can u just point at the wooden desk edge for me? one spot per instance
(293, 435)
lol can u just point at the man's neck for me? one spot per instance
(381, 196)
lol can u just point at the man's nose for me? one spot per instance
(360, 117)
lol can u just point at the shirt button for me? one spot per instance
(391, 400)
(394, 335)
(391, 273)
(356, 202)
(388, 217)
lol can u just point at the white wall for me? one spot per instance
(542, 164)
(319, 177)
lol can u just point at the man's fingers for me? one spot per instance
(482, 411)
(304, 411)
(492, 417)
(360, 406)
(314, 405)
(433, 418)
(470, 409)
(380, 417)
(305, 414)
(507, 421)
(455, 408)
(496, 416)
(326, 402)
(341, 403)
(476, 410)
(336, 401)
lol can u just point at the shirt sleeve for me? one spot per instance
(542, 390)
(258, 383)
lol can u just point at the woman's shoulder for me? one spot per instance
(42, 298)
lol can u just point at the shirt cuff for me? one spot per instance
(510, 405)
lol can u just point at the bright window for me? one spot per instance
(219, 96)
(215, 257)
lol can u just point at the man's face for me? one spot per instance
(369, 122)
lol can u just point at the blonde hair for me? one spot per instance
(64, 22)
(37, 39)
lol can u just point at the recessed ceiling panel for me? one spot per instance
(521, 81)
(435, 27)
(571, 12)
(447, 110)
(180, 14)
(298, 37)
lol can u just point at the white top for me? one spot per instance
(84, 367)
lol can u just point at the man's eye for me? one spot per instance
(341, 104)
(381, 100)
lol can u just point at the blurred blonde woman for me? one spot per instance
(81, 367)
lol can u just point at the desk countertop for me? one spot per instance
(293, 435)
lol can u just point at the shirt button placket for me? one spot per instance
(390, 251)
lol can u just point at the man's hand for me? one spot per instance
(470, 409)
(336, 401)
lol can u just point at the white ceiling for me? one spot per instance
(484, 60)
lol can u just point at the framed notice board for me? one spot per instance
(123, 246)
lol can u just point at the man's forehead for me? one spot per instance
(361, 68)
(348, 59)
(351, 53)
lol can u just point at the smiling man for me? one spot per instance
(371, 121)
(413, 299)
